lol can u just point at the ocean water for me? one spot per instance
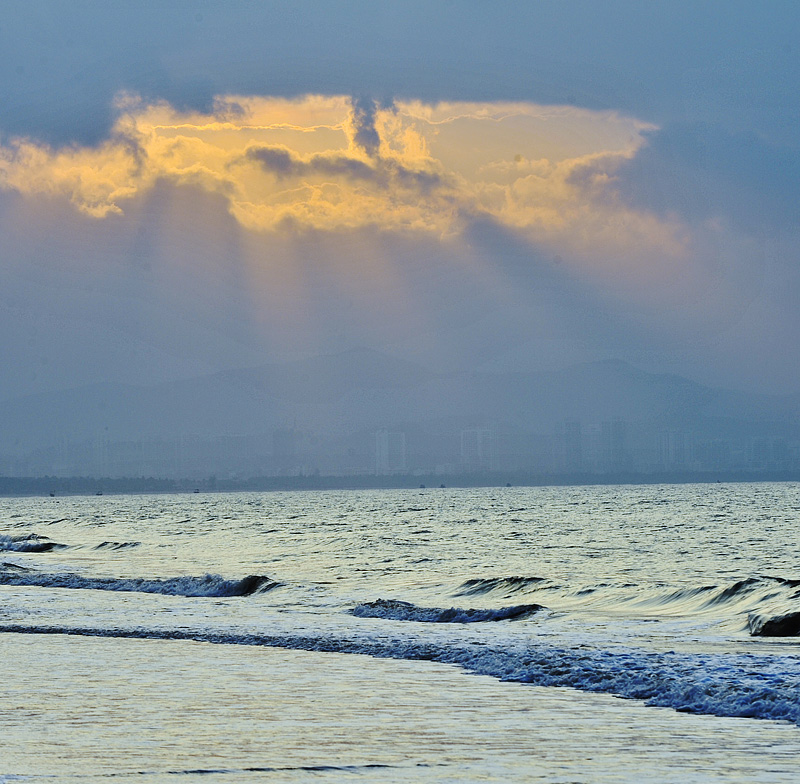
(591, 634)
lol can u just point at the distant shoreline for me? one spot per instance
(56, 486)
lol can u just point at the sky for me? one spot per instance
(471, 186)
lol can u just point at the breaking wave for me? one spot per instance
(762, 600)
(787, 625)
(767, 605)
(30, 543)
(742, 685)
(211, 585)
(405, 611)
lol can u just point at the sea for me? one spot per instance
(506, 634)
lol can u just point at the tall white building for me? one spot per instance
(672, 449)
(478, 450)
(390, 452)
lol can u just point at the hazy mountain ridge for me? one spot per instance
(337, 394)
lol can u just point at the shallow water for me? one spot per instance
(136, 645)
(161, 711)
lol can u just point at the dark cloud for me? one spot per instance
(702, 171)
(277, 160)
(342, 166)
(421, 180)
(365, 134)
(734, 62)
(282, 163)
(228, 110)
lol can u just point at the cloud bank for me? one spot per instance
(331, 163)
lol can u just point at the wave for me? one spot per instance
(211, 585)
(31, 543)
(747, 686)
(747, 597)
(34, 543)
(303, 768)
(405, 611)
(116, 545)
(271, 769)
(787, 625)
(505, 585)
(17, 567)
(752, 600)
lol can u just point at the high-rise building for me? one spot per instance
(390, 452)
(478, 449)
(672, 449)
(573, 446)
(613, 437)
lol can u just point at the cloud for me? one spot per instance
(702, 172)
(281, 162)
(331, 162)
(551, 178)
(362, 126)
(474, 230)
(63, 63)
(671, 194)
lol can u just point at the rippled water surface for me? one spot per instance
(420, 635)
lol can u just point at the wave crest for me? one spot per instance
(786, 625)
(211, 585)
(752, 596)
(768, 601)
(506, 585)
(395, 610)
(116, 545)
(30, 543)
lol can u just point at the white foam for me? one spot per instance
(28, 544)
(207, 585)
(721, 684)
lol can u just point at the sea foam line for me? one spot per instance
(745, 685)
(211, 585)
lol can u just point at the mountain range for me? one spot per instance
(335, 395)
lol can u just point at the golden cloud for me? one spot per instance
(332, 163)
